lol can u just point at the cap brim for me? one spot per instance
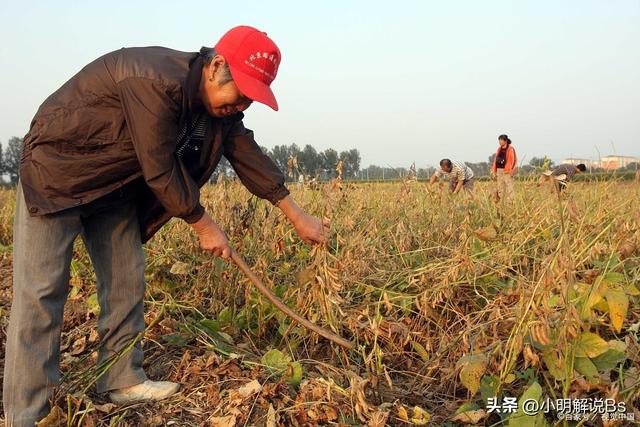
(254, 89)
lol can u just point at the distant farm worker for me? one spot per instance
(112, 155)
(504, 167)
(561, 175)
(460, 176)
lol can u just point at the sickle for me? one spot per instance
(239, 261)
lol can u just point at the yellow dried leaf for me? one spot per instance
(105, 408)
(402, 414)
(473, 367)
(420, 416)
(228, 421)
(471, 417)
(271, 416)
(618, 303)
(626, 249)
(250, 388)
(591, 345)
(180, 268)
(378, 419)
(305, 276)
(56, 418)
(486, 233)
(574, 212)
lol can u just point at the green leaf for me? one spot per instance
(74, 292)
(175, 340)
(613, 278)
(275, 361)
(489, 386)
(76, 267)
(92, 304)
(279, 363)
(218, 264)
(225, 316)
(554, 364)
(612, 357)
(294, 373)
(212, 327)
(618, 304)
(476, 247)
(590, 345)
(585, 366)
(473, 367)
(555, 301)
(422, 352)
(469, 406)
(520, 418)
(283, 325)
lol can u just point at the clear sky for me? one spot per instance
(402, 81)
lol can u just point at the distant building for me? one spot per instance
(617, 162)
(591, 164)
(607, 163)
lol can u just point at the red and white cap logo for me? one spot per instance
(253, 59)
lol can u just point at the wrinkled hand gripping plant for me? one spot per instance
(240, 262)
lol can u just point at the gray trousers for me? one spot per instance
(42, 251)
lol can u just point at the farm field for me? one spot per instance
(450, 301)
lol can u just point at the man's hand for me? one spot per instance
(309, 228)
(212, 238)
(458, 187)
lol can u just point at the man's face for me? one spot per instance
(220, 100)
(446, 168)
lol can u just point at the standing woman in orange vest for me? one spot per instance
(504, 167)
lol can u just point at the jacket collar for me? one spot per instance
(190, 88)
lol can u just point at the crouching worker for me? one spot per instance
(560, 175)
(111, 156)
(460, 176)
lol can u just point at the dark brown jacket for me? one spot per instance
(116, 121)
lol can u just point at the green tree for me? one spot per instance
(280, 154)
(11, 158)
(351, 162)
(328, 161)
(309, 160)
(1, 164)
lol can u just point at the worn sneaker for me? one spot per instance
(148, 390)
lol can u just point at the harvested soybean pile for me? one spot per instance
(451, 302)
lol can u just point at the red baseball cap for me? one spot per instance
(253, 59)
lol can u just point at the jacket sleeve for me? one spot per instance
(151, 113)
(256, 170)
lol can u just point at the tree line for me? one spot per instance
(10, 159)
(311, 163)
